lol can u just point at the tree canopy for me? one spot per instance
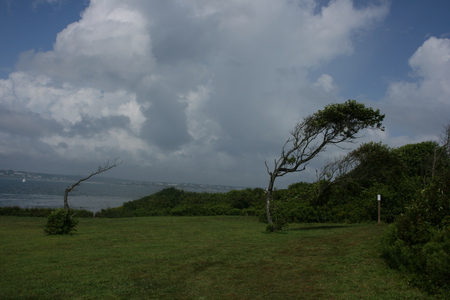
(335, 124)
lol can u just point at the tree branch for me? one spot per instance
(333, 125)
(100, 169)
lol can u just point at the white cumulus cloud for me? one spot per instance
(196, 90)
(423, 103)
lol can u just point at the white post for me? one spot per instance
(379, 208)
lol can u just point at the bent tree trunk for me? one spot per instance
(269, 195)
(66, 196)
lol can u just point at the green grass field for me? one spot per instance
(195, 258)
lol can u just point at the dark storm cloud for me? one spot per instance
(62, 145)
(89, 126)
(183, 37)
(26, 123)
(166, 124)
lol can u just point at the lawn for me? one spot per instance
(195, 258)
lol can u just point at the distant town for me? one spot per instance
(31, 175)
(24, 176)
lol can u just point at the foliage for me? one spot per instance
(280, 216)
(418, 158)
(347, 188)
(336, 123)
(25, 212)
(375, 162)
(38, 212)
(175, 202)
(419, 241)
(61, 221)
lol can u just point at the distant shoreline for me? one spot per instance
(12, 174)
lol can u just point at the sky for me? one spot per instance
(207, 91)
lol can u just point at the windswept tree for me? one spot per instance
(335, 124)
(61, 221)
(107, 166)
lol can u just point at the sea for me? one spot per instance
(90, 195)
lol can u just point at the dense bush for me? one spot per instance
(174, 202)
(350, 196)
(419, 241)
(25, 212)
(61, 221)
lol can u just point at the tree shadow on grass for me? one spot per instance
(316, 227)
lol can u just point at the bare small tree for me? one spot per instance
(335, 124)
(440, 152)
(333, 172)
(107, 166)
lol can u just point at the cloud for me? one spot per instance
(62, 145)
(325, 81)
(422, 104)
(27, 123)
(198, 90)
(108, 48)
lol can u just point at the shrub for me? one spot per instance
(249, 212)
(43, 212)
(25, 212)
(280, 217)
(84, 213)
(419, 240)
(60, 221)
(303, 213)
(437, 263)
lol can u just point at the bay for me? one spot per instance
(92, 196)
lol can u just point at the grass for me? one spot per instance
(195, 258)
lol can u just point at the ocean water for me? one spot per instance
(92, 196)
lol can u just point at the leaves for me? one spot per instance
(60, 222)
(335, 124)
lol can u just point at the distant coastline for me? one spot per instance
(47, 190)
(13, 174)
(32, 175)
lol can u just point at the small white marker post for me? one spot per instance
(379, 208)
